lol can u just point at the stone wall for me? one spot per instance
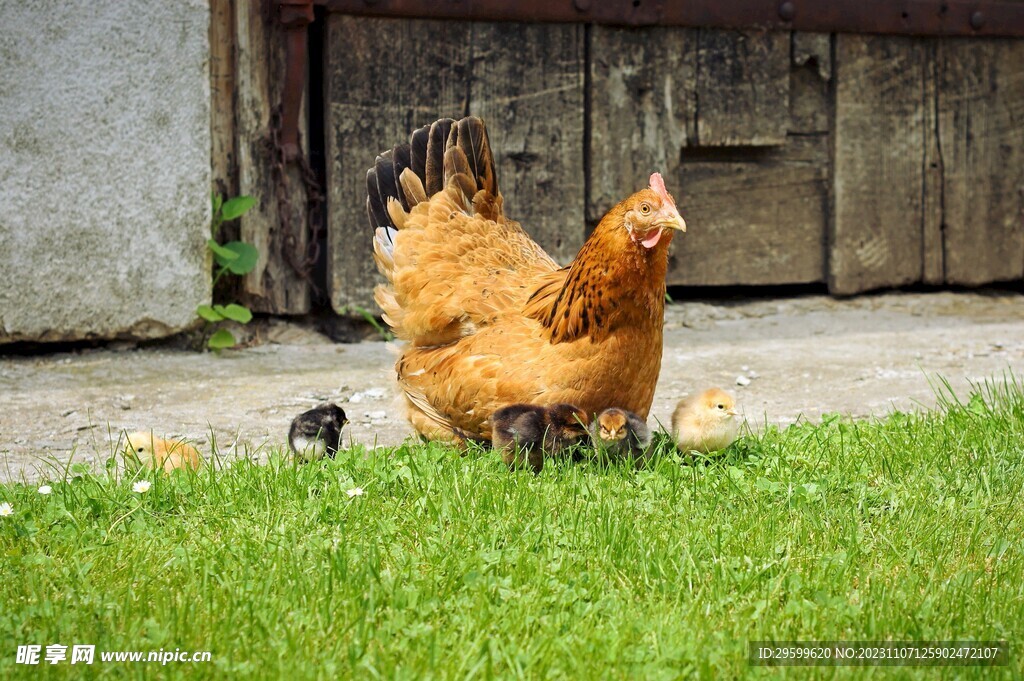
(104, 167)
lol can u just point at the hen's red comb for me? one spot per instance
(658, 186)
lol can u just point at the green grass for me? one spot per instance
(451, 567)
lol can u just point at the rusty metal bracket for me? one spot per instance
(295, 16)
(898, 17)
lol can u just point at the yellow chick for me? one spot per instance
(153, 452)
(706, 422)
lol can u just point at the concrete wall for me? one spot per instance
(104, 167)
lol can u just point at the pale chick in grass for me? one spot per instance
(707, 422)
(154, 452)
(619, 433)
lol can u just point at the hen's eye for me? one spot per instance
(645, 208)
(721, 406)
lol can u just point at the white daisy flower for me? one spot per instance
(6, 509)
(45, 489)
(355, 492)
(141, 487)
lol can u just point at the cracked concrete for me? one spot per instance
(784, 359)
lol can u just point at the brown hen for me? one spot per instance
(490, 319)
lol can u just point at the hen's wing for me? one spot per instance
(453, 261)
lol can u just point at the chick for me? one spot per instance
(567, 427)
(317, 432)
(153, 452)
(706, 422)
(620, 433)
(529, 431)
(517, 432)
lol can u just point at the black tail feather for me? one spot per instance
(425, 156)
(374, 203)
(400, 159)
(418, 152)
(436, 145)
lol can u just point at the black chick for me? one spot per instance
(517, 432)
(317, 432)
(567, 427)
(524, 433)
(619, 433)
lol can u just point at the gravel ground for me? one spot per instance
(785, 359)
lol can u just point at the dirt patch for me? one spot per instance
(784, 359)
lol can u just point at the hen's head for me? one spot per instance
(648, 213)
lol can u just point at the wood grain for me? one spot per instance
(742, 87)
(642, 108)
(753, 218)
(222, 97)
(527, 84)
(981, 130)
(384, 78)
(273, 286)
(879, 136)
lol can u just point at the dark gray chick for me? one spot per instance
(317, 432)
(517, 432)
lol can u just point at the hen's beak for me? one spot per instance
(732, 412)
(671, 219)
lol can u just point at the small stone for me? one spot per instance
(742, 381)
(377, 415)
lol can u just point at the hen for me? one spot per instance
(489, 318)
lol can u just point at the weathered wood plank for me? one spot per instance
(222, 97)
(274, 286)
(642, 111)
(879, 138)
(742, 87)
(809, 77)
(981, 133)
(932, 250)
(384, 78)
(527, 85)
(757, 215)
(754, 218)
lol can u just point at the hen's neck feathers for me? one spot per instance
(613, 282)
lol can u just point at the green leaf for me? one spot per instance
(221, 254)
(237, 313)
(245, 258)
(216, 201)
(209, 313)
(221, 339)
(236, 207)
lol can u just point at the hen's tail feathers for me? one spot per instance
(452, 161)
(436, 154)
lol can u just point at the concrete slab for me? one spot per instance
(104, 167)
(802, 357)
